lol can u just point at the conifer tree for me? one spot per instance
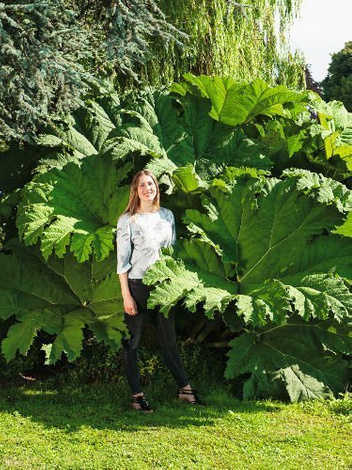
(42, 47)
(52, 50)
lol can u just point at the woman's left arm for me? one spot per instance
(173, 229)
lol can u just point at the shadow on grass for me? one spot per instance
(103, 407)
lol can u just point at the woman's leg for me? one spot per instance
(172, 358)
(135, 324)
(169, 347)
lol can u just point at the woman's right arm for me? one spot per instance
(129, 304)
(124, 253)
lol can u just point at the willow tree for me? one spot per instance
(244, 40)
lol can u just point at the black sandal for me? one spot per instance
(190, 392)
(143, 404)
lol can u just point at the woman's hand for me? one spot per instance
(129, 304)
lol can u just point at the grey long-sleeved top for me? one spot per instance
(139, 239)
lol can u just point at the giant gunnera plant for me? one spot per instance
(257, 177)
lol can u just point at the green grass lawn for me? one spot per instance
(93, 428)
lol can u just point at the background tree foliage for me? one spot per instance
(337, 85)
(41, 49)
(53, 51)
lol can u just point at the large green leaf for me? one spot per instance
(203, 282)
(336, 123)
(305, 359)
(237, 103)
(60, 297)
(346, 227)
(20, 335)
(179, 132)
(87, 129)
(263, 249)
(77, 136)
(291, 142)
(291, 128)
(267, 243)
(75, 207)
(69, 339)
(80, 135)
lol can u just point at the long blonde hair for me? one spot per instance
(133, 203)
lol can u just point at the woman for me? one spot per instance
(142, 230)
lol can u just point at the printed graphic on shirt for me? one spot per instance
(139, 239)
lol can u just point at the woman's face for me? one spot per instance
(146, 188)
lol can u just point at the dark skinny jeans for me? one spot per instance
(166, 336)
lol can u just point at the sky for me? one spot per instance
(323, 28)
